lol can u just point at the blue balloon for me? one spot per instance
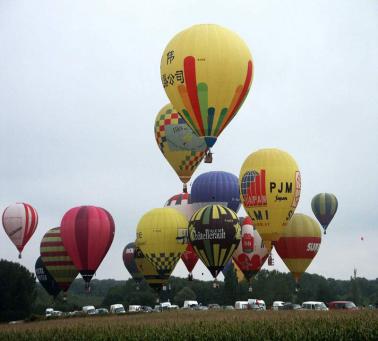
(216, 188)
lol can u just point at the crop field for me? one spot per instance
(204, 325)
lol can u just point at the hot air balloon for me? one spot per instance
(324, 206)
(182, 148)
(56, 260)
(87, 233)
(206, 71)
(190, 259)
(20, 221)
(299, 244)
(221, 188)
(155, 280)
(130, 264)
(231, 264)
(214, 232)
(162, 237)
(270, 187)
(182, 203)
(251, 253)
(45, 279)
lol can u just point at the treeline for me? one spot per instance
(21, 296)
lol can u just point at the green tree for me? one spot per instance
(17, 291)
(230, 286)
(184, 294)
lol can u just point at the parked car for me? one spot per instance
(89, 310)
(214, 306)
(290, 306)
(190, 304)
(342, 305)
(314, 305)
(277, 305)
(256, 304)
(117, 309)
(228, 307)
(146, 309)
(102, 311)
(241, 305)
(50, 312)
(135, 308)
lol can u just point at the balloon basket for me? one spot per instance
(250, 289)
(19, 256)
(209, 157)
(185, 188)
(270, 260)
(190, 277)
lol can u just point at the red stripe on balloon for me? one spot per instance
(191, 87)
(297, 247)
(54, 254)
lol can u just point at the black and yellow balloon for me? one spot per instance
(155, 280)
(214, 232)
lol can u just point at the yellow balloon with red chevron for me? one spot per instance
(270, 187)
(181, 147)
(207, 71)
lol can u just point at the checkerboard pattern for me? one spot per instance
(164, 262)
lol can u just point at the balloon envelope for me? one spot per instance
(45, 279)
(217, 187)
(155, 280)
(182, 148)
(56, 259)
(214, 232)
(182, 202)
(20, 221)
(270, 187)
(129, 262)
(162, 237)
(324, 206)
(206, 71)
(189, 257)
(299, 243)
(87, 233)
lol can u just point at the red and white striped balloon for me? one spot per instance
(20, 220)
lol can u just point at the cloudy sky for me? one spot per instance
(80, 88)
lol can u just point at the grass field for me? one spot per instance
(204, 325)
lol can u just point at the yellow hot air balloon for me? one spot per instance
(162, 235)
(270, 187)
(182, 148)
(299, 244)
(206, 71)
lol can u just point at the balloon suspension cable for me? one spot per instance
(87, 288)
(19, 256)
(209, 156)
(185, 188)
(190, 276)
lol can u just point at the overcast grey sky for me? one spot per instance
(80, 88)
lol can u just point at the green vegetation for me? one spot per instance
(209, 325)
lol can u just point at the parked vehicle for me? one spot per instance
(213, 306)
(241, 305)
(146, 309)
(165, 306)
(135, 308)
(256, 304)
(89, 310)
(290, 306)
(314, 305)
(228, 307)
(49, 312)
(190, 304)
(277, 305)
(117, 309)
(342, 305)
(102, 311)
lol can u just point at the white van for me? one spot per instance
(277, 305)
(89, 310)
(117, 309)
(134, 308)
(314, 305)
(241, 305)
(190, 304)
(255, 304)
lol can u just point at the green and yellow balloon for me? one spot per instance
(324, 206)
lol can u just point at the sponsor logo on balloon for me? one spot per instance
(182, 236)
(208, 234)
(297, 194)
(253, 188)
(313, 247)
(247, 243)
